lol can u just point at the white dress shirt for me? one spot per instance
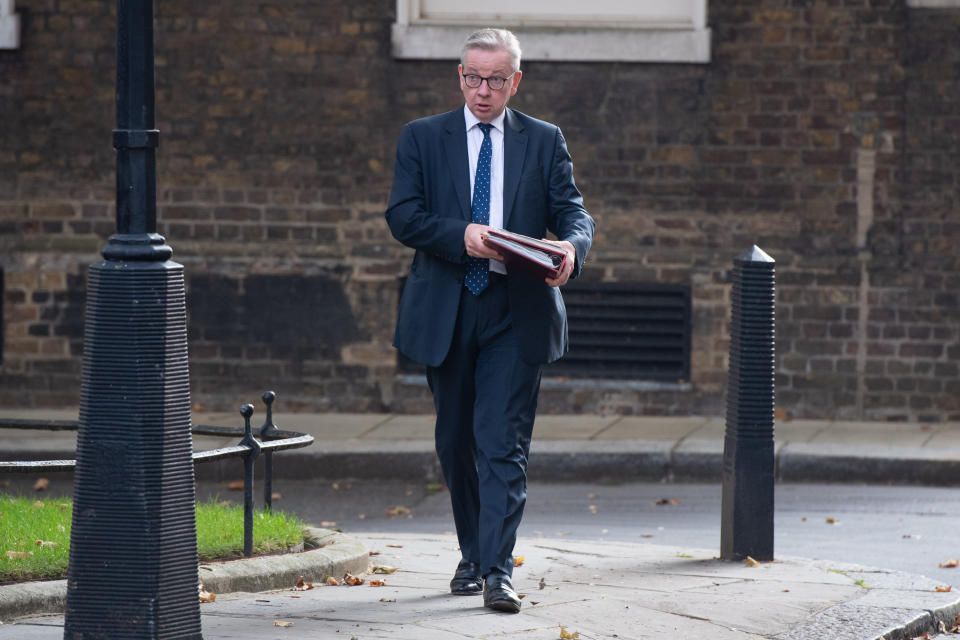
(474, 140)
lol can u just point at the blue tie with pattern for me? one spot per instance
(478, 269)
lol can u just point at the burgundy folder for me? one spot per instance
(522, 253)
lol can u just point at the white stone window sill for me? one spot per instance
(933, 4)
(9, 26)
(587, 44)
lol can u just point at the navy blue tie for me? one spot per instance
(478, 269)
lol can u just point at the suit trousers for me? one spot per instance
(485, 396)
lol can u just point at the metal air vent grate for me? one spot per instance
(626, 331)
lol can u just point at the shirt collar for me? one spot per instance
(472, 120)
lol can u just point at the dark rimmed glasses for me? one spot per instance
(494, 82)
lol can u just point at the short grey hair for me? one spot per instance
(493, 40)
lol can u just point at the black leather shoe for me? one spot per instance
(498, 593)
(466, 581)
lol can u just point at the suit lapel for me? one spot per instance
(514, 151)
(455, 148)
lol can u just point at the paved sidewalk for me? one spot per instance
(614, 590)
(573, 447)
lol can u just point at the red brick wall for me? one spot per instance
(278, 123)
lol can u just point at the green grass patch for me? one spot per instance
(35, 535)
(220, 531)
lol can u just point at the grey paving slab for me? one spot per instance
(330, 426)
(798, 430)
(322, 426)
(945, 436)
(31, 440)
(586, 427)
(650, 428)
(891, 434)
(417, 427)
(710, 429)
(14, 413)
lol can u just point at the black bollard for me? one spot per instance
(746, 527)
(133, 545)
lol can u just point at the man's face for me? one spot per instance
(483, 102)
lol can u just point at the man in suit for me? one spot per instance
(483, 332)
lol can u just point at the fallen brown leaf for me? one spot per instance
(593, 509)
(945, 589)
(398, 510)
(663, 502)
(41, 484)
(282, 623)
(328, 523)
(205, 596)
(949, 564)
(276, 495)
(566, 635)
(46, 544)
(382, 569)
(518, 561)
(378, 583)
(388, 599)
(16, 555)
(351, 580)
(395, 546)
(750, 562)
(38, 505)
(831, 520)
(236, 485)
(333, 582)
(374, 553)
(302, 585)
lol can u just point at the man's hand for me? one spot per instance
(564, 275)
(473, 240)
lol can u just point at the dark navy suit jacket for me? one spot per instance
(429, 210)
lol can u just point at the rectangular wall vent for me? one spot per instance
(620, 331)
(626, 331)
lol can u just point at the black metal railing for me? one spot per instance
(272, 439)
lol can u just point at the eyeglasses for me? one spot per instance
(494, 82)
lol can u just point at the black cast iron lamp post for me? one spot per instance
(133, 546)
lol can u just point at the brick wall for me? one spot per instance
(823, 131)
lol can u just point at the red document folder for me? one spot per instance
(522, 253)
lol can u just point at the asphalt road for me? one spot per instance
(912, 529)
